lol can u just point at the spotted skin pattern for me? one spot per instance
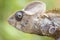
(37, 20)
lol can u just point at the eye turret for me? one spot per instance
(19, 15)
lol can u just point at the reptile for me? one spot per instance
(34, 19)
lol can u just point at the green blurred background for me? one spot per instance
(7, 7)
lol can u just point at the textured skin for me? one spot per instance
(42, 23)
(54, 16)
(36, 24)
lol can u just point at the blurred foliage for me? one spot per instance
(7, 7)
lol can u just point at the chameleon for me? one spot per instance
(34, 19)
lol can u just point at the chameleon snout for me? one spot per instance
(12, 21)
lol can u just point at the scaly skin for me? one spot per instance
(42, 23)
(54, 16)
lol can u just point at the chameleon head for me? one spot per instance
(23, 20)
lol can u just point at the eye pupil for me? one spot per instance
(19, 15)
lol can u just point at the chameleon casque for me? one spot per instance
(35, 19)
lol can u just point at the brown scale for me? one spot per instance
(55, 13)
(37, 20)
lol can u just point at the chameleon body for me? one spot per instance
(35, 19)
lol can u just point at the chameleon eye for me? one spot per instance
(19, 15)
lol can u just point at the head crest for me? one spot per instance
(35, 7)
